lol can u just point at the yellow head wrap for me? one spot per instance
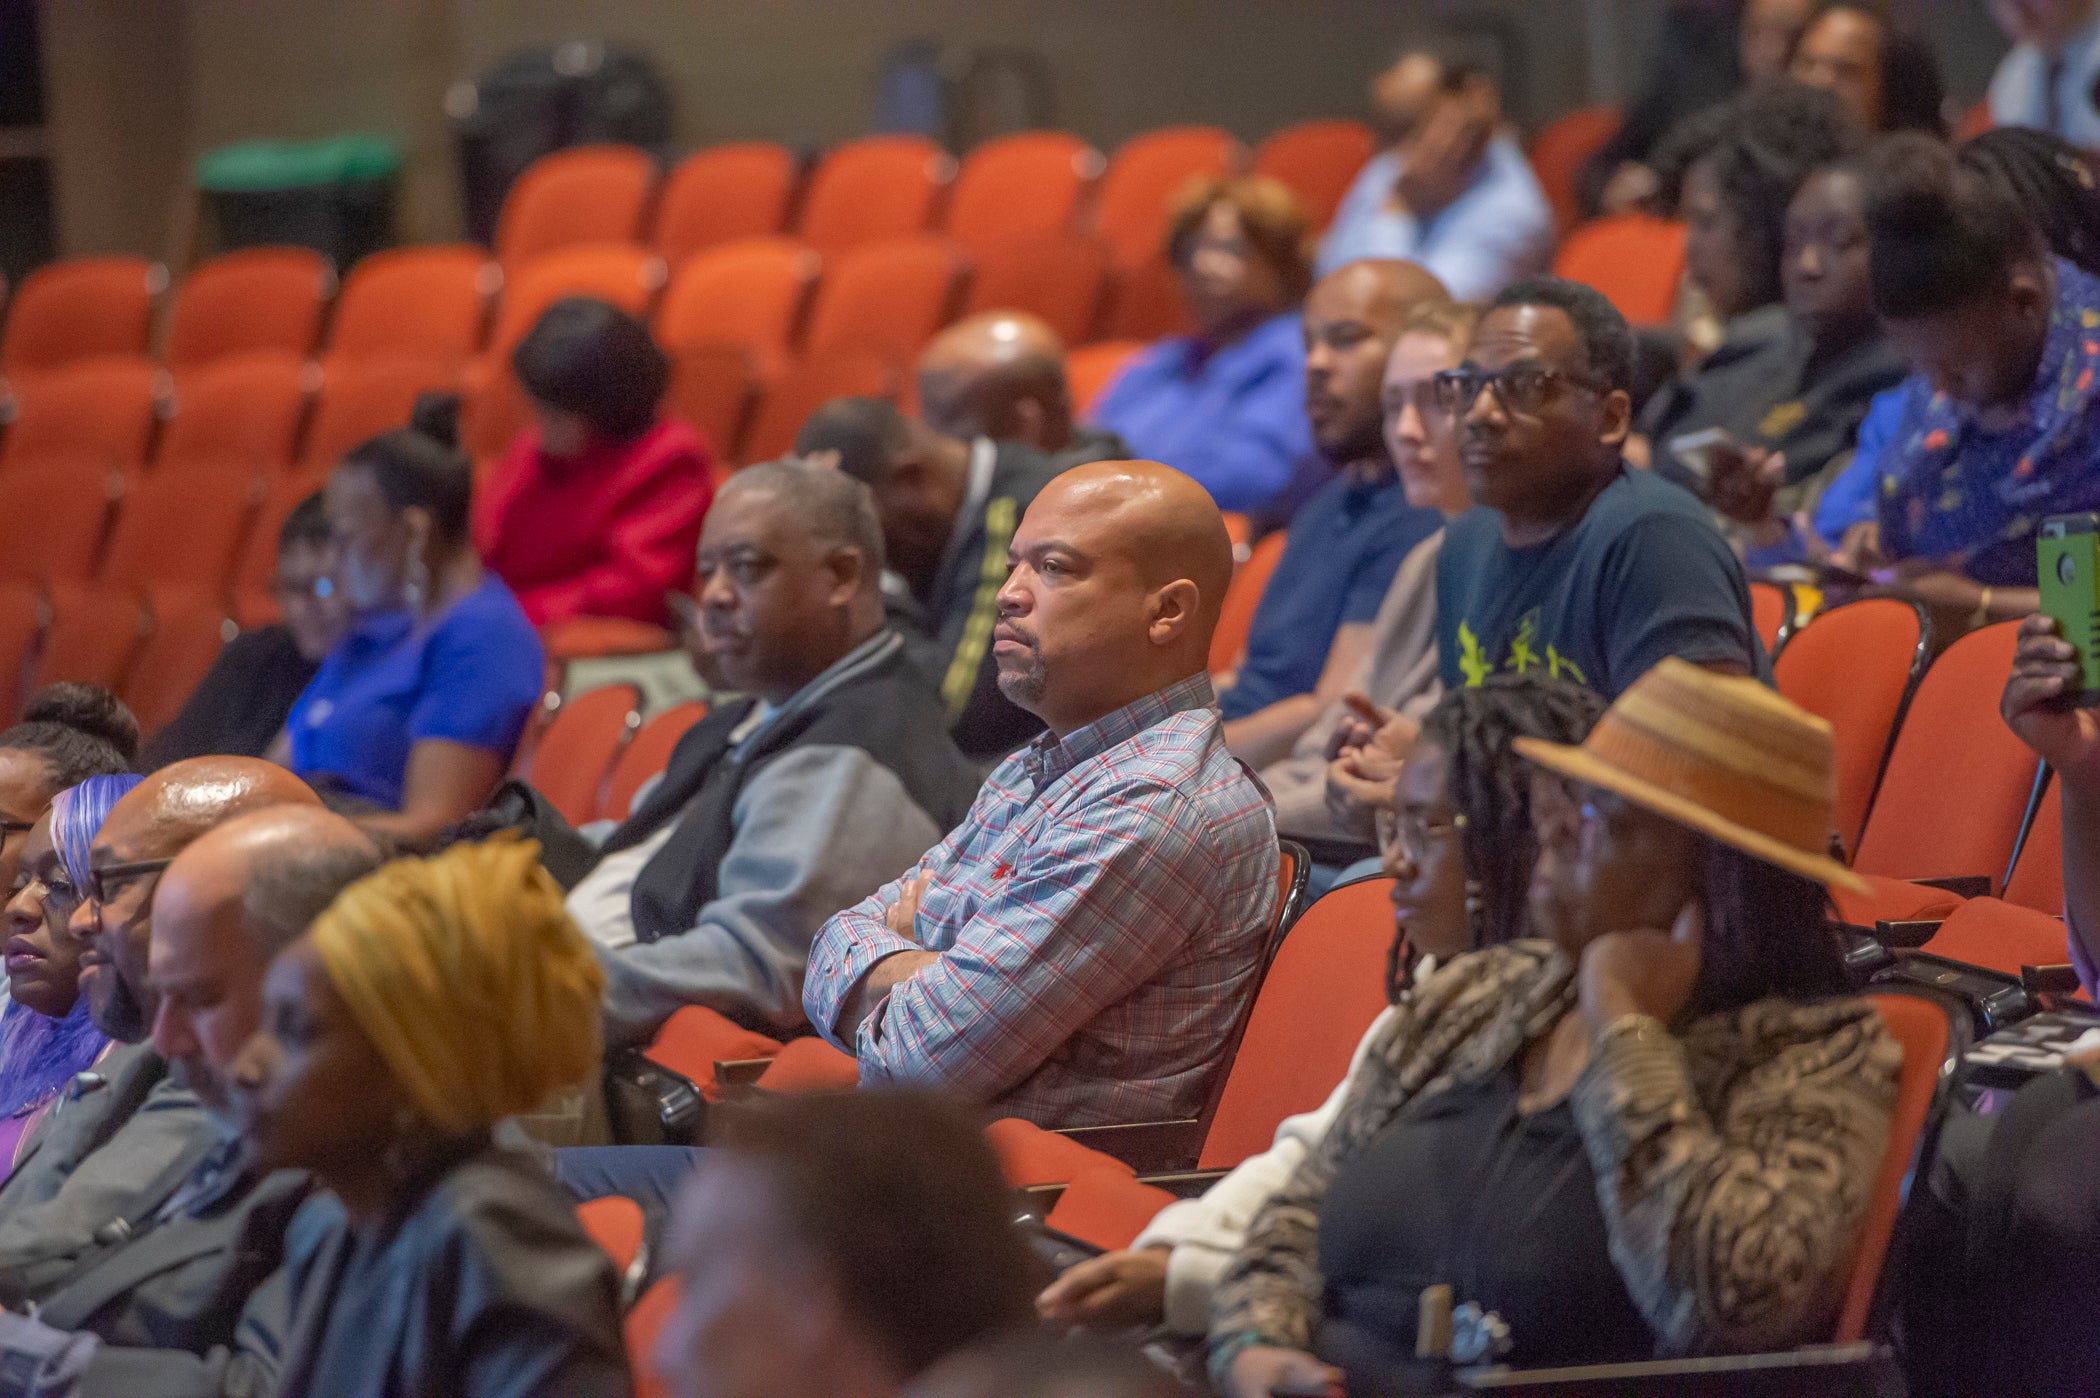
(470, 980)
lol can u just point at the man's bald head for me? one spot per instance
(998, 374)
(1353, 316)
(234, 898)
(1120, 572)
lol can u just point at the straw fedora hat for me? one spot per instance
(1721, 754)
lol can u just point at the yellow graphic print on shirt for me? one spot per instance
(1474, 664)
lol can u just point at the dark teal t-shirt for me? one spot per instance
(1642, 575)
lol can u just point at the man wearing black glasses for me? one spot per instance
(1573, 562)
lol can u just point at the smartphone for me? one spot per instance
(2068, 563)
(684, 610)
(1695, 450)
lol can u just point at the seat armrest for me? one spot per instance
(1148, 1147)
(1960, 885)
(735, 1077)
(1184, 1184)
(1909, 934)
(1860, 1370)
(2050, 980)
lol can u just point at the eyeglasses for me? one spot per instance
(99, 879)
(1406, 832)
(1521, 388)
(14, 827)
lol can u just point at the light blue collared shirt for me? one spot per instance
(1498, 231)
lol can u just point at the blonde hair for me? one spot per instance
(1271, 219)
(467, 975)
(1446, 320)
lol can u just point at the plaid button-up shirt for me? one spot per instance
(1100, 918)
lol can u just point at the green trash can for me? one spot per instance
(334, 196)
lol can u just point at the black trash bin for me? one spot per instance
(335, 196)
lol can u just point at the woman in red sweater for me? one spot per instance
(596, 510)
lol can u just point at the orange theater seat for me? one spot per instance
(1090, 370)
(1635, 260)
(1560, 152)
(1061, 277)
(808, 386)
(873, 189)
(79, 309)
(1318, 160)
(644, 1323)
(714, 196)
(626, 275)
(22, 616)
(1031, 1156)
(646, 757)
(254, 600)
(93, 635)
(1106, 1207)
(2000, 937)
(1771, 609)
(810, 1065)
(1143, 178)
(427, 303)
(51, 523)
(1242, 599)
(885, 298)
(752, 292)
(616, 1224)
(179, 534)
(575, 754)
(2038, 870)
(712, 388)
(97, 413)
(1855, 666)
(586, 194)
(360, 398)
(1026, 185)
(185, 639)
(254, 299)
(695, 1038)
(240, 410)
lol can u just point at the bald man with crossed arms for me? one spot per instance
(1077, 950)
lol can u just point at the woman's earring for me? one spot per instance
(417, 587)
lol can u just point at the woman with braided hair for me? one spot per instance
(1463, 789)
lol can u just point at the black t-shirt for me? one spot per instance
(1463, 1190)
(1642, 575)
(242, 703)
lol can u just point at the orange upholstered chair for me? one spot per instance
(240, 410)
(712, 388)
(645, 757)
(360, 398)
(1856, 666)
(1635, 260)
(1106, 1207)
(2037, 879)
(807, 386)
(586, 194)
(92, 637)
(94, 413)
(575, 754)
(1318, 160)
(254, 601)
(23, 613)
(694, 1039)
(626, 275)
(423, 303)
(644, 1323)
(1562, 149)
(810, 1065)
(79, 309)
(753, 292)
(1021, 186)
(185, 639)
(616, 1224)
(1091, 369)
(1142, 178)
(1061, 277)
(2001, 937)
(254, 299)
(1772, 612)
(873, 189)
(1242, 599)
(885, 298)
(179, 534)
(723, 193)
(51, 523)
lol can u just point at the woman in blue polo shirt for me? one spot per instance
(418, 708)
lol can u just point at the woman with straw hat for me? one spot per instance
(1653, 1129)
(432, 999)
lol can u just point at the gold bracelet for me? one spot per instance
(1982, 615)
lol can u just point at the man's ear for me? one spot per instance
(1174, 610)
(849, 571)
(1618, 418)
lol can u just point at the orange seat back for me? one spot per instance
(22, 616)
(2037, 880)
(51, 523)
(1060, 277)
(647, 756)
(789, 400)
(810, 1065)
(1771, 608)
(96, 413)
(359, 398)
(1327, 984)
(92, 637)
(427, 303)
(753, 292)
(874, 189)
(2000, 937)
(694, 1039)
(615, 1223)
(586, 194)
(186, 637)
(885, 298)
(1144, 176)
(1242, 600)
(1560, 152)
(1106, 1207)
(726, 192)
(643, 1324)
(1855, 666)
(254, 299)
(1922, 1028)
(575, 754)
(1318, 160)
(1090, 371)
(240, 410)
(180, 533)
(626, 275)
(79, 309)
(712, 388)
(1030, 1155)
(1635, 260)
(1955, 792)
(1026, 185)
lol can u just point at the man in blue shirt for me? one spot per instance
(1449, 190)
(1346, 542)
(1573, 562)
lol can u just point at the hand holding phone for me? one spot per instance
(2067, 562)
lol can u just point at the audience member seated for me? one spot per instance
(1623, 1088)
(1779, 246)
(46, 1033)
(1397, 675)
(69, 732)
(841, 1244)
(1226, 405)
(781, 809)
(1573, 560)
(1704, 54)
(2049, 79)
(1001, 374)
(126, 1137)
(2042, 706)
(1313, 627)
(1886, 76)
(1458, 841)
(213, 1323)
(949, 507)
(240, 707)
(414, 715)
(1450, 187)
(2001, 425)
(432, 1000)
(1078, 949)
(594, 511)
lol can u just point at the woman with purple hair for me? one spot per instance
(46, 1036)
